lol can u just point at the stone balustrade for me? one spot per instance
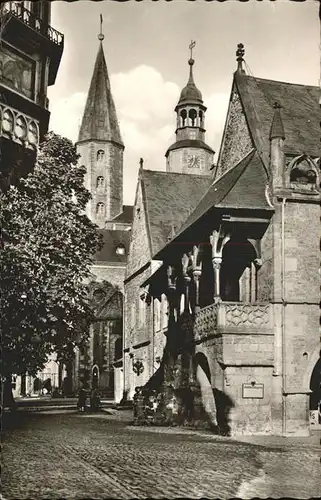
(232, 316)
(18, 127)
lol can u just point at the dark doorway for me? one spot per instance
(95, 377)
(237, 255)
(315, 387)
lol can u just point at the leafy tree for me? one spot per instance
(47, 247)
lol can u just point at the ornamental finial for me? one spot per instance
(101, 36)
(240, 57)
(191, 47)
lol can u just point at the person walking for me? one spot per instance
(81, 404)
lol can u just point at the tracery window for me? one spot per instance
(303, 173)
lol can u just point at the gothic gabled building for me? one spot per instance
(101, 151)
(239, 278)
(163, 202)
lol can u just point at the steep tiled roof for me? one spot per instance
(111, 239)
(126, 216)
(169, 198)
(300, 113)
(241, 187)
(99, 121)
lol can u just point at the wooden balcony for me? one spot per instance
(24, 15)
(232, 317)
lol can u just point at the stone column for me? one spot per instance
(196, 275)
(217, 261)
(187, 282)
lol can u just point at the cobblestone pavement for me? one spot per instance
(77, 456)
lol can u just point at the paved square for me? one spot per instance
(75, 456)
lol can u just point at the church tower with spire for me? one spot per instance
(190, 154)
(101, 147)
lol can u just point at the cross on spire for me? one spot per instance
(101, 36)
(191, 47)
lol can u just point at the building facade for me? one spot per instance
(101, 151)
(30, 54)
(239, 278)
(163, 202)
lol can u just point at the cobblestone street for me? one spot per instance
(69, 455)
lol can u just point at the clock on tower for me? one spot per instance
(193, 161)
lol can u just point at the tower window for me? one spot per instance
(201, 117)
(100, 210)
(100, 155)
(183, 116)
(192, 115)
(100, 183)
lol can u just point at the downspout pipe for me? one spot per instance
(283, 300)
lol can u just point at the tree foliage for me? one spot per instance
(47, 247)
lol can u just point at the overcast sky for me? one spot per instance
(146, 48)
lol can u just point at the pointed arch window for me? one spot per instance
(100, 183)
(100, 154)
(303, 173)
(100, 210)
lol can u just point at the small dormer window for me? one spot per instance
(100, 155)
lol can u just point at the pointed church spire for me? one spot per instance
(277, 129)
(99, 121)
(190, 93)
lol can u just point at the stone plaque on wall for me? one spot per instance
(255, 391)
(17, 71)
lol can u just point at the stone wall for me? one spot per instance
(236, 142)
(111, 169)
(265, 273)
(249, 415)
(138, 329)
(139, 250)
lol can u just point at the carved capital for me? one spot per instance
(197, 273)
(172, 278)
(218, 239)
(258, 263)
(217, 261)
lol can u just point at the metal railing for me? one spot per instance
(17, 10)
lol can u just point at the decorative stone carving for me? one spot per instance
(205, 322)
(247, 315)
(19, 127)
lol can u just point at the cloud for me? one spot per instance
(145, 105)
